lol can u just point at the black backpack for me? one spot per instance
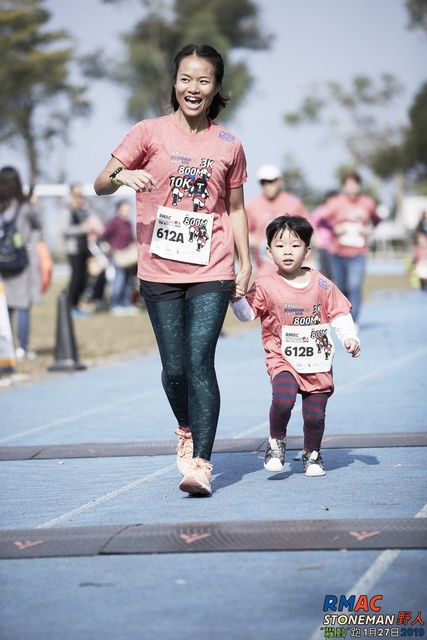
(13, 253)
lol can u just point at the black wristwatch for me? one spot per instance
(114, 179)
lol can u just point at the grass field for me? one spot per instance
(102, 337)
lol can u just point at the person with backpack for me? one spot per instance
(19, 263)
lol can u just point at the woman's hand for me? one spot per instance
(239, 223)
(139, 180)
(339, 229)
(241, 284)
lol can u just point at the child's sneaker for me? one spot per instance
(198, 478)
(184, 451)
(274, 458)
(313, 464)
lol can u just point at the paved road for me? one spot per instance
(97, 542)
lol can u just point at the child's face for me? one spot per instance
(288, 252)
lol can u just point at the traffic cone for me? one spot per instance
(66, 355)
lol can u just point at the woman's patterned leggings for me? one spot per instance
(285, 389)
(187, 332)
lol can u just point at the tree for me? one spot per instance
(417, 13)
(408, 158)
(37, 99)
(295, 181)
(150, 48)
(356, 116)
(359, 117)
(416, 138)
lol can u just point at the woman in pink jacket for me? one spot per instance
(352, 216)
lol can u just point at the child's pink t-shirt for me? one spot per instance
(176, 158)
(261, 211)
(278, 303)
(341, 209)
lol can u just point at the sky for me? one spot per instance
(314, 41)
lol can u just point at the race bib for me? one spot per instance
(352, 236)
(308, 349)
(183, 236)
(421, 269)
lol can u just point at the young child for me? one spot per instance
(297, 305)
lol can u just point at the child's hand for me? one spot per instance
(353, 347)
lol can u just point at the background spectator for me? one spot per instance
(120, 236)
(420, 251)
(265, 207)
(352, 216)
(23, 289)
(84, 227)
(323, 235)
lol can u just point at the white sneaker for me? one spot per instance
(313, 464)
(130, 311)
(21, 354)
(274, 459)
(118, 311)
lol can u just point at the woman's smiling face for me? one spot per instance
(195, 86)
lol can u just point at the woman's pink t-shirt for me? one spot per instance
(277, 304)
(175, 158)
(341, 209)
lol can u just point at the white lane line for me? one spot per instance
(422, 513)
(377, 373)
(371, 576)
(384, 369)
(108, 496)
(248, 432)
(79, 416)
(373, 374)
